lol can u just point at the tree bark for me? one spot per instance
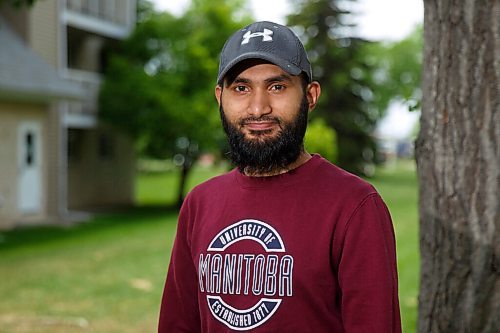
(458, 164)
(185, 168)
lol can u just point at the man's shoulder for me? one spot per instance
(214, 184)
(332, 177)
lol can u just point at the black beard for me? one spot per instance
(267, 155)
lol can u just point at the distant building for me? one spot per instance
(56, 159)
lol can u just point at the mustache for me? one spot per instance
(248, 120)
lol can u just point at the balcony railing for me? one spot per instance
(91, 83)
(112, 11)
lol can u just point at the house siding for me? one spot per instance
(44, 30)
(114, 183)
(55, 208)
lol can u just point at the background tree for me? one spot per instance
(397, 68)
(18, 3)
(159, 84)
(458, 167)
(321, 139)
(343, 68)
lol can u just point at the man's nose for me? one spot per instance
(260, 104)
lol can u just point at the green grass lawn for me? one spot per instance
(107, 275)
(398, 186)
(161, 188)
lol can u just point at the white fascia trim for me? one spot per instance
(80, 120)
(95, 25)
(81, 76)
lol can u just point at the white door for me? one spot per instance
(29, 162)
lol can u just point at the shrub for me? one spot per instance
(321, 139)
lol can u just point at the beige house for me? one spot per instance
(56, 160)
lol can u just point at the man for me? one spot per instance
(286, 242)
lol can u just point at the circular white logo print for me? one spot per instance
(245, 286)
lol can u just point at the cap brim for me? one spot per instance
(283, 64)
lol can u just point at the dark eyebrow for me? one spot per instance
(279, 78)
(240, 80)
(273, 79)
(236, 80)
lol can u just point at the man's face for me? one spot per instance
(264, 113)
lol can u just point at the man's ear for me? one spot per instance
(313, 91)
(218, 93)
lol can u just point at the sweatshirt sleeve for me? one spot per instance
(367, 271)
(179, 306)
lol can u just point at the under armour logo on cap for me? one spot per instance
(266, 36)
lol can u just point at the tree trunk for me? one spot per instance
(459, 168)
(185, 168)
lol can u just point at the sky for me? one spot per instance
(382, 20)
(377, 19)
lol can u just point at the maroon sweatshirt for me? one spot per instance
(311, 250)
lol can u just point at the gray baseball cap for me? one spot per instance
(267, 41)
